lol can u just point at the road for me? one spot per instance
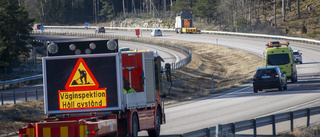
(240, 103)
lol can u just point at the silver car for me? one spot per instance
(297, 56)
(156, 32)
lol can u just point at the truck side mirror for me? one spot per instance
(168, 74)
(168, 71)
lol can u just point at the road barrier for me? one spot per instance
(251, 35)
(271, 120)
(20, 80)
(14, 96)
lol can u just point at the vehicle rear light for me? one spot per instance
(291, 67)
(299, 56)
(276, 75)
(90, 132)
(256, 76)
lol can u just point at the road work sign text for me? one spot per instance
(82, 99)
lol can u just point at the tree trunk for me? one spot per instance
(150, 7)
(289, 4)
(133, 7)
(283, 10)
(275, 13)
(124, 9)
(164, 8)
(97, 11)
(264, 9)
(298, 8)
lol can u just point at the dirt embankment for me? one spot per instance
(230, 68)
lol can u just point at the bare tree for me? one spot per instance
(298, 8)
(124, 9)
(275, 13)
(264, 9)
(133, 7)
(283, 10)
(164, 8)
(289, 4)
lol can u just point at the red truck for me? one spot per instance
(86, 84)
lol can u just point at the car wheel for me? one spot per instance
(280, 88)
(293, 80)
(285, 87)
(255, 90)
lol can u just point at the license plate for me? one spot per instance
(265, 76)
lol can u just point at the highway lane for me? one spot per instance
(169, 56)
(240, 104)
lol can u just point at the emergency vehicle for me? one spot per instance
(277, 55)
(84, 83)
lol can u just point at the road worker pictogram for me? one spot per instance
(81, 77)
(82, 90)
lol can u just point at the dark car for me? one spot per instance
(269, 77)
(100, 30)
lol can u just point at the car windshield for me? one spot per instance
(266, 71)
(296, 53)
(278, 59)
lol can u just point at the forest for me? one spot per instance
(69, 12)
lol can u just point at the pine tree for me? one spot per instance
(14, 32)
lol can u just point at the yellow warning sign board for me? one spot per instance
(81, 78)
(82, 99)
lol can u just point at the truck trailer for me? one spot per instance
(86, 84)
(184, 23)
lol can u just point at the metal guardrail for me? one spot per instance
(18, 96)
(20, 80)
(302, 40)
(230, 129)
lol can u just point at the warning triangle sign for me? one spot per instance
(81, 78)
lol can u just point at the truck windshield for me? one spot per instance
(278, 59)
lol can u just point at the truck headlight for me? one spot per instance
(53, 48)
(112, 45)
(72, 47)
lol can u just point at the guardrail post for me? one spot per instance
(212, 83)
(14, 97)
(291, 121)
(36, 94)
(254, 126)
(218, 130)
(25, 95)
(233, 129)
(273, 117)
(1, 99)
(308, 117)
(207, 132)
